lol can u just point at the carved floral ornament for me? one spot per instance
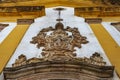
(59, 46)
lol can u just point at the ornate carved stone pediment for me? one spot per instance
(59, 62)
(59, 44)
(93, 68)
(59, 58)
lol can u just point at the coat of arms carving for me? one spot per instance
(59, 41)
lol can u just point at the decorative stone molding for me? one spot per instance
(2, 26)
(21, 9)
(116, 25)
(93, 20)
(36, 11)
(29, 8)
(95, 59)
(25, 21)
(108, 11)
(82, 68)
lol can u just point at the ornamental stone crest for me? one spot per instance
(59, 44)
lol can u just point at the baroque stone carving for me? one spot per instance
(95, 59)
(59, 42)
(93, 68)
(59, 57)
(59, 46)
(20, 61)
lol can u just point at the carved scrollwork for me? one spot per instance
(59, 42)
(95, 59)
(59, 46)
(22, 60)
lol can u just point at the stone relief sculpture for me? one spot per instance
(59, 46)
(59, 42)
(20, 61)
(95, 59)
(58, 57)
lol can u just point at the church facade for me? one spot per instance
(45, 41)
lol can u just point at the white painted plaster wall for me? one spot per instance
(5, 32)
(112, 31)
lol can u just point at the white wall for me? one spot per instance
(5, 32)
(112, 31)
